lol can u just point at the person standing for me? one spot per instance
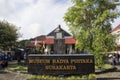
(18, 52)
(114, 59)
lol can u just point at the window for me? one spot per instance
(59, 35)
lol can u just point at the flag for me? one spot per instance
(35, 42)
(43, 45)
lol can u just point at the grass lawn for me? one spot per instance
(44, 77)
(105, 66)
(16, 67)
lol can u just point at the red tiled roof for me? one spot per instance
(29, 44)
(49, 41)
(38, 44)
(116, 28)
(70, 41)
(67, 41)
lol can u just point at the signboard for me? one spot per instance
(61, 64)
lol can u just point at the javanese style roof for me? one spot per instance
(70, 41)
(67, 41)
(116, 28)
(49, 39)
(60, 30)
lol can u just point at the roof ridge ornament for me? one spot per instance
(58, 28)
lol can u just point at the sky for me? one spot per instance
(36, 17)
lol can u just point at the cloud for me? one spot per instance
(35, 17)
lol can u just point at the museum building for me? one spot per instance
(48, 41)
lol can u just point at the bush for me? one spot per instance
(17, 68)
(91, 76)
(44, 77)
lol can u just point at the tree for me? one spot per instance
(8, 34)
(90, 23)
(22, 43)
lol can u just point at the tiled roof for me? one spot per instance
(58, 29)
(29, 44)
(67, 41)
(116, 28)
(49, 41)
(70, 41)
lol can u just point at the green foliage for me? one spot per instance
(103, 68)
(44, 77)
(90, 23)
(99, 60)
(107, 66)
(22, 43)
(20, 68)
(116, 0)
(8, 34)
(91, 76)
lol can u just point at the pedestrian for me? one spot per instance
(0, 60)
(114, 60)
(117, 58)
(4, 60)
(18, 55)
(25, 58)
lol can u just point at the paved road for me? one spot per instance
(9, 75)
(115, 75)
(12, 76)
